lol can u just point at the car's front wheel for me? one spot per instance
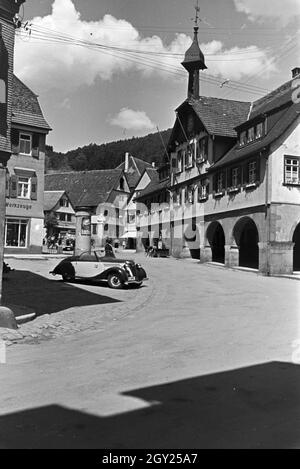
(114, 281)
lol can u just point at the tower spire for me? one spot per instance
(194, 60)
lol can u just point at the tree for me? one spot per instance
(50, 222)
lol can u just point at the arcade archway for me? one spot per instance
(216, 239)
(296, 253)
(246, 237)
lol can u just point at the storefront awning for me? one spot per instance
(129, 234)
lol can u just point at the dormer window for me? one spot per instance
(243, 138)
(259, 131)
(25, 144)
(250, 135)
(253, 133)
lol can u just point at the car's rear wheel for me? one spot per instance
(114, 281)
(68, 277)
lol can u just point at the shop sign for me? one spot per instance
(15, 205)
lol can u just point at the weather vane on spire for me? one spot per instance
(197, 17)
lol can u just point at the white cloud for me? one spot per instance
(281, 10)
(236, 62)
(132, 120)
(47, 65)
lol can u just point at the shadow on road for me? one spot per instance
(45, 296)
(253, 407)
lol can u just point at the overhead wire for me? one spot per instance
(57, 37)
(147, 58)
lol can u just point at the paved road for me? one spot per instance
(201, 357)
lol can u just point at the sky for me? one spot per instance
(107, 70)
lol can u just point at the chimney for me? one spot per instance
(153, 164)
(295, 72)
(126, 162)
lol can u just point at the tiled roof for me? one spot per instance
(51, 199)
(277, 98)
(25, 106)
(154, 186)
(220, 116)
(136, 168)
(85, 188)
(237, 153)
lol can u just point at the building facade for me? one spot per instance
(99, 199)
(8, 10)
(234, 179)
(60, 219)
(24, 223)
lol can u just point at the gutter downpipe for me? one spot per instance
(267, 217)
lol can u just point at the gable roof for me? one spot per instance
(25, 106)
(85, 188)
(51, 199)
(155, 185)
(136, 168)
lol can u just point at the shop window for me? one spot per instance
(291, 170)
(16, 233)
(25, 144)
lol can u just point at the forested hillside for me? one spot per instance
(108, 155)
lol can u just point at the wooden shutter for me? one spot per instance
(35, 145)
(15, 142)
(7, 185)
(33, 194)
(258, 170)
(239, 178)
(245, 173)
(13, 186)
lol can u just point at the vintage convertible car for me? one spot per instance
(117, 272)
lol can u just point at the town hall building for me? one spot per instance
(232, 195)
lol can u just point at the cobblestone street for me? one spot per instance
(135, 369)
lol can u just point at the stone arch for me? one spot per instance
(216, 238)
(246, 236)
(296, 253)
